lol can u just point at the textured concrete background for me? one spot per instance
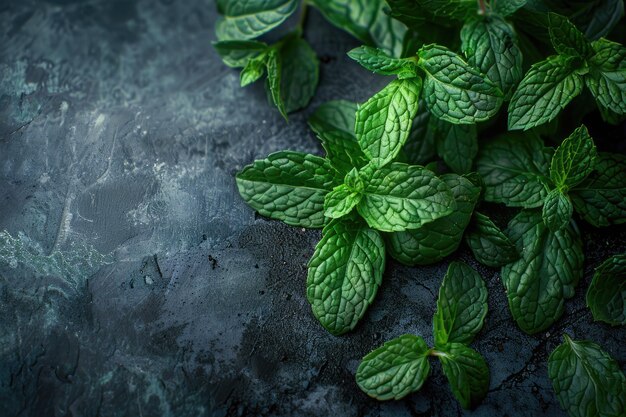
(135, 281)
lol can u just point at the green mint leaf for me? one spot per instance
(566, 38)
(300, 73)
(340, 202)
(488, 243)
(455, 9)
(236, 54)
(490, 45)
(457, 145)
(573, 160)
(466, 371)
(396, 369)
(344, 274)
(253, 70)
(461, 306)
(398, 197)
(252, 18)
(601, 199)
(379, 62)
(434, 241)
(453, 90)
(507, 7)
(607, 75)
(419, 148)
(333, 123)
(606, 296)
(408, 12)
(388, 33)
(557, 210)
(384, 121)
(550, 266)
(274, 73)
(545, 90)
(288, 186)
(587, 381)
(515, 170)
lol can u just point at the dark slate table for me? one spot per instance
(135, 281)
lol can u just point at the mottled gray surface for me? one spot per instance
(135, 281)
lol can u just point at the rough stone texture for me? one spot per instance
(135, 281)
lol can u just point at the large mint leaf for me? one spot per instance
(333, 123)
(453, 90)
(545, 90)
(457, 145)
(379, 62)
(398, 197)
(601, 198)
(288, 186)
(606, 296)
(247, 19)
(557, 210)
(573, 160)
(461, 305)
(550, 266)
(490, 45)
(607, 75)
(434, 241)
(396, 369)
(488, 243)
(345, 273)
(587, 381)
(466, 371)
(515, 170)
(384, 121)
(236, 54)
(274, 65)
(566, 38)
(300, 73)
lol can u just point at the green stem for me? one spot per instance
(483, 7)
(302, 19)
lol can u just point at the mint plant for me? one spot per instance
(401, 366)
(586, 380)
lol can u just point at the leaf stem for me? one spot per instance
(302, 18)
(483, 7)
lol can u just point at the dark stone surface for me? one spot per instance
(135, 281)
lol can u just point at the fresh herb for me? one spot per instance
(606, 296)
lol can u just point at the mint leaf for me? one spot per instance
(236, 54)
(340, 201)
(461, 305)
(399, 197)
(300, 73)
(507, 7)
(573, 160)
(274, 73)
(550, 266)
(379, 62)
(466, 371)
(490, 45)
(515, 170)
(396, 369)
(557, 210)
(344, 274)
(566, 38)
(455, 9)
(587, 381)
(388, 33)
(252, 18)
(384, 121)
(601, 199)
(545, 90)
(288, 186)
(453, 90)
(488, 243)
(607, 75)
(253, 70)
(457, 145)
(333, 123)
(606, 296)
(434, 241)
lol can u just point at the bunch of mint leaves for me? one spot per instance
(405, 173)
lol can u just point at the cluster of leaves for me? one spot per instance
(404, 173)
(401, 366)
